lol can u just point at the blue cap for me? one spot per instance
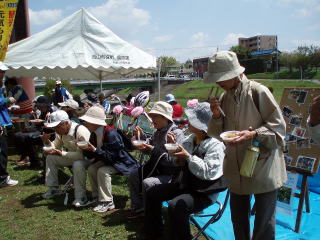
(169, 98)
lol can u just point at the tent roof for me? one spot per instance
(78, 47)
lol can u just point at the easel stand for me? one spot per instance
(303, 195)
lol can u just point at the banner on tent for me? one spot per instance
(7, 14)
(286, 194)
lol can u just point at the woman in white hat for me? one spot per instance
(201, 177)
(250, 108)
(159, 169)
(108, 151)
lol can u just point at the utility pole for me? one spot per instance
(159, 70)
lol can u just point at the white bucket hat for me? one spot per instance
(162, 108)
(199, 116)
(223, 66)
(69, 103)
(95, 115)
(56, 117)
(58, 82)
(170, 98)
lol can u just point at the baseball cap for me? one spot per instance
(56, 118)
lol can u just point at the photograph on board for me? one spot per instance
(306, 163)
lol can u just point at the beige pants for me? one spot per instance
(54, 162)
(100, 180)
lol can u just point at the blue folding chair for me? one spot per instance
(214, 217)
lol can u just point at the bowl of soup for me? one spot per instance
(229, 136)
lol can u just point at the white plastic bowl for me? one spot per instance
(229, 136)
(82, 143)
(138, 143)
(47, 148)
(171, 147)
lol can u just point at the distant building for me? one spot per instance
(200, 66)
(259, 43)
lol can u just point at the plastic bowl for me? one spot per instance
(138, 143)
(171, 147)
(82, 143)
(47, 148)
(229, 136)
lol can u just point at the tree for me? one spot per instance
(288, 60)
(51, 84)
(302, 59)
(166, 63)
(242, 52)
(314, 56)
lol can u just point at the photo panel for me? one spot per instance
(295, 120)
(299, 132)
(306, 163)
(294, 94)
(290, 138)
(302, 97)
(303, 143)
(287, 111)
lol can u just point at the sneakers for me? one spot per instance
(8, 182)
(82, 202)
(53, 191)
(135, 213)
(104, 206)
(23, 162)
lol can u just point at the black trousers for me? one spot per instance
(182, 204)
(25, 145)
(3, 157)
(264, 223)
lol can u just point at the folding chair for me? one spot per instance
(214, 217)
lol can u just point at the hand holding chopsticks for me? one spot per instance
(215, 105)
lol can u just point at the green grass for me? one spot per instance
(25, 215)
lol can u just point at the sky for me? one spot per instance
(188, 29)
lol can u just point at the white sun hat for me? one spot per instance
(95, 115)
(162, 108)
(56, 118)
(69, 103)
(199, 115)
(222, 66)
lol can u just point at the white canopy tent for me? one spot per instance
(79, 47)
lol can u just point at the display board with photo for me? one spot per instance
(300, 152)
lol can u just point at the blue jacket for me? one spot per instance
(113, 153)
(5, 119)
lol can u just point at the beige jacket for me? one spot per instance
(240, 107)
(67, 143)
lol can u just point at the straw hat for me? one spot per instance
(162, 108)
(223, 66)
(95, 115)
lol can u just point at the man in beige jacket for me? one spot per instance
(250, 108)
(64, 152)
